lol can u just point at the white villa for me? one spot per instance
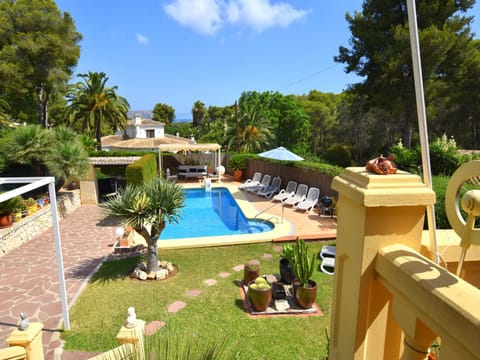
(142, 134)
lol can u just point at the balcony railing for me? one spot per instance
(390, 301)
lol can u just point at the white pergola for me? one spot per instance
(33, 183)
(190, 147)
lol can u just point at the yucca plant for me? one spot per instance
(301, 262)
(147, 208)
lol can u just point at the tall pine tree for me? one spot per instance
(380, 52)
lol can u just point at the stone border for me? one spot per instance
(33, 225)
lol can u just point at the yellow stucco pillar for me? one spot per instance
(13, 353)
(133, 335)
(373, 211)
(30, 339)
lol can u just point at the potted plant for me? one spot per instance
(238, 163)
(17, 214)
(303, 265)
(250, 272)
(287, 276)
(6, 209)
(30, 205)
(260, 293)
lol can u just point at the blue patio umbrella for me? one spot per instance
(281, 153)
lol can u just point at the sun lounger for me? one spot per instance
(328, 251)
(265, 182)
(328, 265)
(272, 189)
(289, 191)
(255, 180)
(300, 195)
(310, 201)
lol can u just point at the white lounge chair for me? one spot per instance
(328, 265)
(289, 191)
(255, 180)
(272, 189)
(310, 201)
(328, 251)
(300, 195)
(265, 182)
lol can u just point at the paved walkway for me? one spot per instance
(29, 278)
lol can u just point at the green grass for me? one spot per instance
(215, 315)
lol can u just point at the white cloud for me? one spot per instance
(208, 16)
(142, 39)
(203, 16)
(261, 14)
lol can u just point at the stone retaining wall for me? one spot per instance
(31, 226)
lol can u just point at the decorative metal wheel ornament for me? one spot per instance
(470, 204)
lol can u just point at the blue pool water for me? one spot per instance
(212, 213)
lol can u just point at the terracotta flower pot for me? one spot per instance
(260, 299)
(5, 221)
(305, 296)
(237, 175)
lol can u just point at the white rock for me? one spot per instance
(142, 275)
(162, 274)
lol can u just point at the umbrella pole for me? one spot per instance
(422, 122)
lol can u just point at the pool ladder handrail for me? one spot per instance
(268, 208)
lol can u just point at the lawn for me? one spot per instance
(216, 315)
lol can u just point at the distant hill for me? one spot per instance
(145, 114)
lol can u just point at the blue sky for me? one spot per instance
(179, 51)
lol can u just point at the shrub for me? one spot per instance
(444, 156)
(143, 170)
(238, 161)
(439, 185)
(406, 159)
(338, 155)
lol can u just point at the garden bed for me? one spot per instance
(283, 302)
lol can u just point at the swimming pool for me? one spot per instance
(212, 213)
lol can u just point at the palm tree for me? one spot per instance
(95, 105)
(69, 157)
(27, 145)
(199, 117)
(147, 208)
(254, 131)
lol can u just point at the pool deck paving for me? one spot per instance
(29, 279)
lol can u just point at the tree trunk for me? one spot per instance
(152, 255)
(98, 131)
(42, 98)
(152, 250)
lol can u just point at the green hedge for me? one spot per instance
(143, 170)
(321, 167)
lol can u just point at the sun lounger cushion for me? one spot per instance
(189, 171)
